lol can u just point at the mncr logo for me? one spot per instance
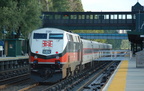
(47, 43)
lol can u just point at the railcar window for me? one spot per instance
(40, 36)
(79, 38)
(74, 39)
(55, 36)
(88, 51)
(68, 37)
(71, 38)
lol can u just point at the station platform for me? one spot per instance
(127, 77)
(14, 58)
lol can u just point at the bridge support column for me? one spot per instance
(134, 47)
(141, 46)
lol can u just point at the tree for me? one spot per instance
(20, 16)
(61, 5)
(31, 12)
(76, 5)
(115, 42)
(47, 5)
(125, 44)
(92, 31)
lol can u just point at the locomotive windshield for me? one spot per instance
(40, 36)
(55, 36)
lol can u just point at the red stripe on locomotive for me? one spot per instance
(68, 56)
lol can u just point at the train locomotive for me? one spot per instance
(55, 51)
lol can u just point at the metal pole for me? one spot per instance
(139, 21)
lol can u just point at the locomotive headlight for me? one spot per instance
(35, 57)
(57, 57)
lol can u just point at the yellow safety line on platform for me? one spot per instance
(119, 81)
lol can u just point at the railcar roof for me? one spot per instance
(54, 29)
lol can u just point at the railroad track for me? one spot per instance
(96, 82)
(21, 85)
(79, 82)
(82, 80)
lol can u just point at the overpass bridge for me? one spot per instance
(102, 36)
(132, 20)
(90, 20)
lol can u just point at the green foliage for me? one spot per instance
(88, 31)
(8, 16)
(19, 16)
(47, 5)
(125, 44)
(115, 42)
(23, 16)
(76, 6)
(61, 5)
(31, 17)
(92, 31)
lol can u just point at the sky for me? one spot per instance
(109, 5)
